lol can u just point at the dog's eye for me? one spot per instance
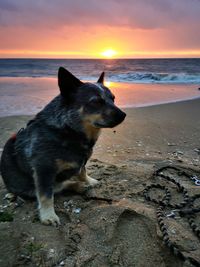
(97, 101)
(113, 98)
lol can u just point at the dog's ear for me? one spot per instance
(101, 78)
(67, 82)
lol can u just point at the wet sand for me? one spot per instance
(20, 96)
(124, 232)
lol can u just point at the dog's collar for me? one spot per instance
(14, 135)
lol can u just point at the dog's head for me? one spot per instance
(93, 103)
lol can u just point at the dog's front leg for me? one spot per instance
(44, 191)
(86, 178)
(78, 183)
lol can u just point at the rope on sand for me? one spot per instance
(184, 209)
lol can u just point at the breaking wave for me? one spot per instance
(140, 77)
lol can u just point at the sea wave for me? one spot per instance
(141, 77)
(130, 77)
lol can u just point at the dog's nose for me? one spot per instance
(121, 116)
(118, 116)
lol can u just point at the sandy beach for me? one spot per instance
(124, 232)
(144, 208)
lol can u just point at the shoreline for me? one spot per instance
(126, 108)
(27, 96)
(162, 103)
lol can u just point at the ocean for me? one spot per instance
(180, 71)
(27, 85)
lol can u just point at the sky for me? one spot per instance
(88, 28)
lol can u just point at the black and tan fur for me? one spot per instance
(50, 154)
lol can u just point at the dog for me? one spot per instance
(50, 154)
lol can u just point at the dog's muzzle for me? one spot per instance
(118, 118)
(115, 117)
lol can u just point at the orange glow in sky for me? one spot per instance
(93, 29)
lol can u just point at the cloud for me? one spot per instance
(87, 25)
(143, 14)
(8, 5)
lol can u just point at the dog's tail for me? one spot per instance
(16, 181)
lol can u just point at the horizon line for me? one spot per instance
(114, 58)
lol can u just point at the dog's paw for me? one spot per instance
(91, 181)
(49, 217)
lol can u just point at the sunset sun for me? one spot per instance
(109, 53)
